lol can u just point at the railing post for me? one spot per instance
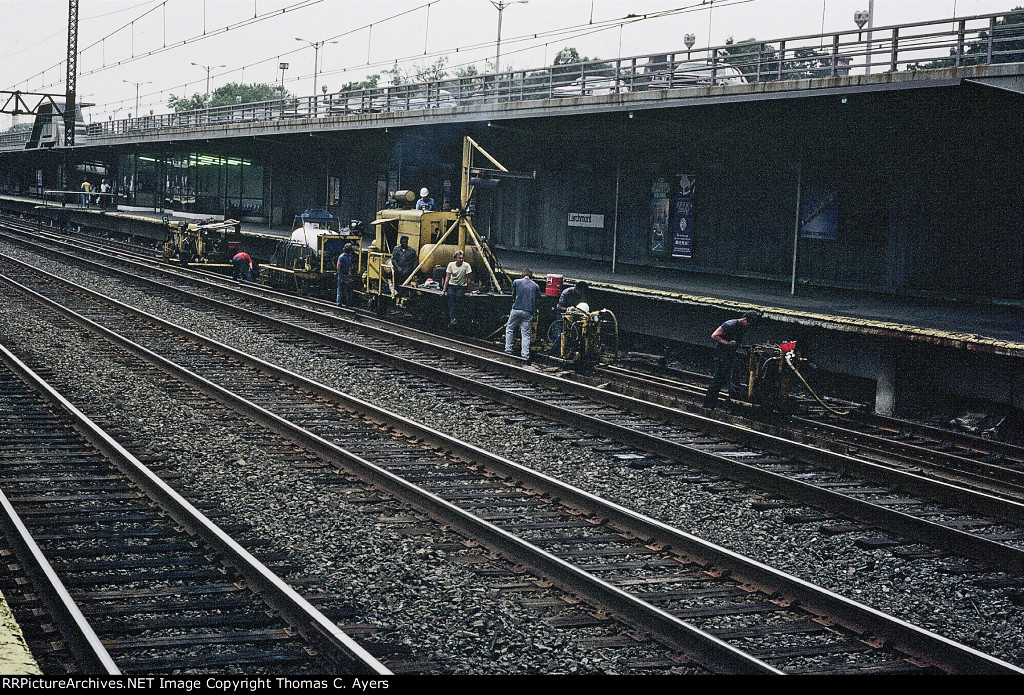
(895, 51)
(835, 54)
(991, 38)
(782, 57)
(960, 44)
(760, 59)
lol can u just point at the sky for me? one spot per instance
(150, 49)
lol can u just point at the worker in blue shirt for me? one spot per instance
(727, 338)
(425, 203)
(524, 306)
(345, 276)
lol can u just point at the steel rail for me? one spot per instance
(955, 540)
(706, 649)
(73, 626)
(904, 637)
(309, 621)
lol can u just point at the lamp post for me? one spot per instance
(137, 85)
(208, 68)
(282, 67)
(862, 17)
(500, 6)
(316, 57)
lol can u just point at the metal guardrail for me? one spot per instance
(976, 40)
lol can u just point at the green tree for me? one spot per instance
(369, 82)
(1007, 45)
(226, 95)
(19, 128)
(569, 65)
(800, 63)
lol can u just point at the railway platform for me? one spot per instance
(15, 657)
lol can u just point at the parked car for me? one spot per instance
(590, 86)
(694, 74)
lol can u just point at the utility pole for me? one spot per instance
(316, 58)
(137, 85)
(500, 6)
(72, 76)
(207, 68)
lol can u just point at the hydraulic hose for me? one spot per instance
(789, 361)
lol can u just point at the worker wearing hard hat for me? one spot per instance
(425, 202)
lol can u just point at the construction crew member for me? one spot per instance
(345, 276)
(458, 282)
(524, 305)
(727, 338)
(241, 266)
(425, 203)
(570, 297)
(403, 260)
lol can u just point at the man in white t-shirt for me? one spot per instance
(458, 281)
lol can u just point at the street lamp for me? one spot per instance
(862, 17)
(208, 68)
(500, 6)
(316, 57)
(282, 67)
(137, 85)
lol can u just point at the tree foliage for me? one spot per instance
(226, 95)
(1007, 45)
(799, 63)
(19, 128)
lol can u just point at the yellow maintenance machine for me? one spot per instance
(588, 337)
(208, 243)
(306, 262)
(436, 236)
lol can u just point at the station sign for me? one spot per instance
(586, 219)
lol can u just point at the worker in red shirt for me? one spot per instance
(241, 266)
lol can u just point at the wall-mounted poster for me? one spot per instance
(819, 213)
(334, 190)
(682, 218)
(660, 209)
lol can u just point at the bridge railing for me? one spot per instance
(977, 40)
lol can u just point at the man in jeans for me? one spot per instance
(524, 305)
(727, 338)
(458, 282)
(344, 273)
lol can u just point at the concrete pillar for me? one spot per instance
(885, 384)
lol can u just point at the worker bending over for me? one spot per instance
(727, 338)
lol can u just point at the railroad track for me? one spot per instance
(128, 577)
(985, 464)
(950, 518)
(647, 574)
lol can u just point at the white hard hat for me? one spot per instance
(424, 193)
(583, 306)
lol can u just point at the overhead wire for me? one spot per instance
(564, 33)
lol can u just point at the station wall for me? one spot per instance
(911, 192)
